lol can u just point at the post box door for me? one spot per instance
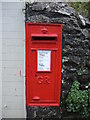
(43, 81)
(43, 66)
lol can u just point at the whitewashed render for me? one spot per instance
(13, 60)
(0, 61)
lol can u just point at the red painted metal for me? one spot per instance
(43, 86)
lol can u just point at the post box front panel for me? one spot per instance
(43, 64)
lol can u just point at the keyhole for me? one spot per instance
(35, 75)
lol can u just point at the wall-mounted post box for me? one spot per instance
(43, 64)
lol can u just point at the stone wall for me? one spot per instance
(76, 52)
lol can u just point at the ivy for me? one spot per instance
(77, 100)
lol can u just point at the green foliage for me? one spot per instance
(80, 72)
(77, 100)
(89, 98)
(81, 7)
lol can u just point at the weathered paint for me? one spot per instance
(13, 95)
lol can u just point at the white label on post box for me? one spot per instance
(44, 59)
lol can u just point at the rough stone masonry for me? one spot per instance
(76, 52)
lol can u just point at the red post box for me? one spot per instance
(43, 64)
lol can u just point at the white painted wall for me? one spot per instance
(13, 60)
(0, 61)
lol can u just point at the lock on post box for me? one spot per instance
(43, 64)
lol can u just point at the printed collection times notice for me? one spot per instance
(44, 60)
